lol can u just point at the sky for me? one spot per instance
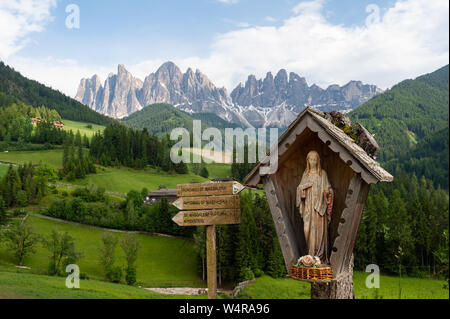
(381, 42)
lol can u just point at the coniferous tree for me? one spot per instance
(275, 264)
(204, 171)
(3, 213)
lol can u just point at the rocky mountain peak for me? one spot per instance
(281, 78)
(271, 101)
(123, 94)
(121, 69)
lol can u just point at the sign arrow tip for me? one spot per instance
(237, 187)
(178, 219)
(178, 203)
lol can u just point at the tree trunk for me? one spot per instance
(340, 287)
(203, 268)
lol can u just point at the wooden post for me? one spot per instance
(211, 261)
(209, 204)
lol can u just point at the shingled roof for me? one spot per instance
(370, 170)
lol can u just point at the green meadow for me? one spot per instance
(112, 179)
(217, 170)
(124, 179)
(267, 287)
(3, 170)
(52, 158)
(17, 284)
(82, 127)
(162, 261)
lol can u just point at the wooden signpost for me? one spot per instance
(209, 204)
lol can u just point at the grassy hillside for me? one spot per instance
(15, 87)
(125, 179)
(162, 118)
(21, 285)
(158, 118)
(52, 158)
(267, 287)
(408, 112)
(82, 127)
(428, 158)
(3, 170)
(162, 261)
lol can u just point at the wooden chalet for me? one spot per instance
(35, 120)
(58, 124)
(155, 196)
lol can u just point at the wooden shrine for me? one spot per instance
(350, 171)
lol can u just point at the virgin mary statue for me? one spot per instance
(314, 199)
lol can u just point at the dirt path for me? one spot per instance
(184, 291)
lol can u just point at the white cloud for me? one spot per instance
(228, 1)
(270, 19)
(19, 18)
(59, 74)
(238, 24)
(411, 39)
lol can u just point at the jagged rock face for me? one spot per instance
(272, 101)
(295, 94)
(276, 101)
(122, 94)
(88, 91)
(117, 98)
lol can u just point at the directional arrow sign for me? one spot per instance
(208, 202)
(208, 217)
(208, 189)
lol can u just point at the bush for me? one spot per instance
(91, 193)
(130, 275)
(22, 198)
(246, 274)
(258, 272)
(114, 274)
(84, 276)
(18, 212)
(64, 194)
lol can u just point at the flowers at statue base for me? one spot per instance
(308, 261)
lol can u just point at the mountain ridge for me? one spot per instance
(273, 101)
(161, 118)
(413, 114)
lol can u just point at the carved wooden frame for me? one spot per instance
(356, 196)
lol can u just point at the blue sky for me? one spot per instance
(113, 31)
(327, 41)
